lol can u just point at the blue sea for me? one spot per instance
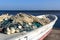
(35, 12)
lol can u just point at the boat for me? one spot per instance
(37, 34)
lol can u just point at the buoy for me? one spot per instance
(34, 27)
(8, 31)
(20, 27)
(12, 30)
(36, 24)
(17, 30)
(30, 23)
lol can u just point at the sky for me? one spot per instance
(29, 4)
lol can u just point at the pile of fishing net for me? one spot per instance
(22, 22)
